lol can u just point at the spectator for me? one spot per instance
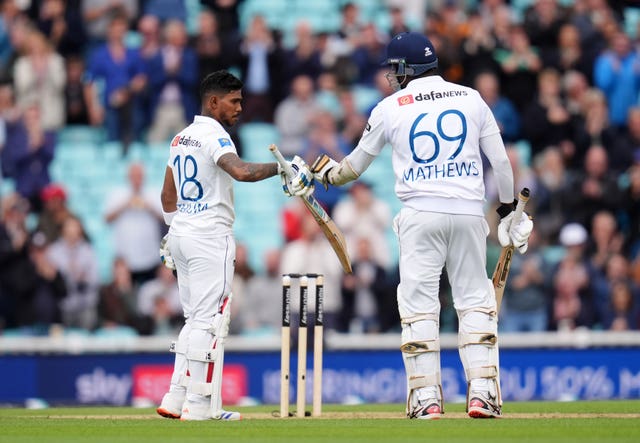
(526, 307)
(98, 15)
(593, 189)
(631, 202)
(122, 71)
(622, 314)
(615, 73)
(55, 211)
(312, 253)
(368, 54)
(569, 55)
(507, 117)
(135, 214)
(173, 80)
(519, 64)
(76, 106)
(159, 303)
(546, 120)
(363, 215)
(39, 79)
(571, 282)
(623, 145)
(605, 240)
(323, 138)
(75, 258)
(591, 126)
(293, 115)
(214, 50)
(61, 22)
(261, 313)
(351, 122)
(118, 299)
(362, 291)
(397, 20)
(543, 22)
(261, 65)
(476, 51)
(305, 57)
(28, 152)
(14, 241)
(241, 279)
(13, 24)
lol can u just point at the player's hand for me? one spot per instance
(165, 254)
(301, 184)
(321, 168)
(516, 232)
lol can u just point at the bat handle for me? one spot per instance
(284, 164)
(523, 198)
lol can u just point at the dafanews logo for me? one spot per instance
(434, 95)
(405, 100)
(186, 141)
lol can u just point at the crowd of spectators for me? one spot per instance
(562, 79)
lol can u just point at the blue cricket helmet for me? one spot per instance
(411, 54)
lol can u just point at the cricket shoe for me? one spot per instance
(426, 410)
(171, 405)
(202, 411)
(483, 405)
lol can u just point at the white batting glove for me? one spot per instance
(514, 233)
(165, 254)
(301, 184)
(321, 168)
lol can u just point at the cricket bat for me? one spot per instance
(328, 226)
(501, 272)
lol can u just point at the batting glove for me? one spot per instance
(301, 184)
(512, 232)
(165, 254)
(321, 168)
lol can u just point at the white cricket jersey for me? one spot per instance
(434, 128)
(205, 191)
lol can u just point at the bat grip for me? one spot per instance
(523, 198)
(284, 164)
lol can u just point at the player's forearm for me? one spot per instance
(253, 172)
(350, 168)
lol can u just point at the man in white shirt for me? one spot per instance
(197, 202)
(437, 130)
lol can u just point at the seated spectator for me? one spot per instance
(173, 77)
(159, 303)
(631, 203)
(122, 71)
(135, 214)
(293, 115)
(623, 313)
(75, 258)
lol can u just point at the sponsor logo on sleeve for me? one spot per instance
(224, 142)
(405, 100)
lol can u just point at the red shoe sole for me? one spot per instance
(475, 413)
(166, 414)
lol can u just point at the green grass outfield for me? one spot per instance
(598, 421)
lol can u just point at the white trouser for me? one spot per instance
(430, 241)
(205, 269)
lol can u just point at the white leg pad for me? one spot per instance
(421, 355)
(478, 348)
(179, 377)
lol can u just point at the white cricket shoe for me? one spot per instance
(430, 409)
(171, 405)
(483, 405)
(192, 411)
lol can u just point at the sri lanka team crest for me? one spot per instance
(405, 100)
